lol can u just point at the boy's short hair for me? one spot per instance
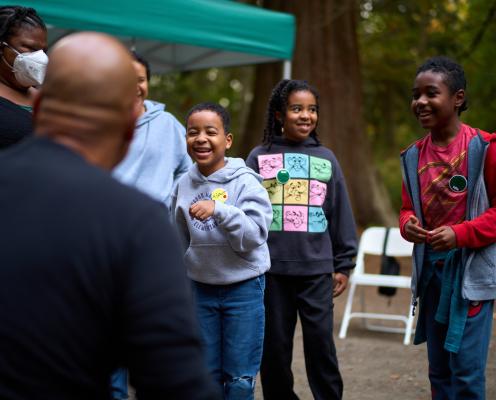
(139, 58)
(216, 108)
(454, 75)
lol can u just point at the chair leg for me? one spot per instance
(347, 312)
(409, 326)
(362, 304)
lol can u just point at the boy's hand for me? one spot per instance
(339, 283)
(442, 238)
(414, 232)
(202, 209)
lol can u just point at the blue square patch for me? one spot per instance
(297, 164)
(317, 221)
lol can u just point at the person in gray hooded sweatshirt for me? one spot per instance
(157, 156)
(223, 214)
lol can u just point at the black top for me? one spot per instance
(313, 230)
(15, 123)
(90, 278)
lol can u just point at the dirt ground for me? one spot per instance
(376, 365)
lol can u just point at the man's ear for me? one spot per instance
(136, 109)
(229, 140)
(127, 137)
(129, 132)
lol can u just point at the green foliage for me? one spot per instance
(395, 38)
(230, 87)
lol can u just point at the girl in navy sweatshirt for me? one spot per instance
(312, 242)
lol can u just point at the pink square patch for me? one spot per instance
(318, 192)
(269, 164)
(295, 218)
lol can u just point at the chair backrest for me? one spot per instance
(372, 242)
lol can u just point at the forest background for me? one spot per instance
(361, 55)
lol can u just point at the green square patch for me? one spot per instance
(276, 218)
(320, 169)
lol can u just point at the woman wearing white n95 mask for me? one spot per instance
(23, 42)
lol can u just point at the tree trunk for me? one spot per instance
(326, 55)
(266, 76)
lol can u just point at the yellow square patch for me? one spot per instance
(274, 190)
(296, 192)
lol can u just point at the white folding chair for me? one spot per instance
(372, 242)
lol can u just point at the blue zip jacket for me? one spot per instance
(479, 275)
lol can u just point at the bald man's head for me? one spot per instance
(88, 98)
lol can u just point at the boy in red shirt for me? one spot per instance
(449, 212)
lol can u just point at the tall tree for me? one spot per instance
(326, 55)
(396, 36)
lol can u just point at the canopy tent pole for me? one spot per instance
(286, 71)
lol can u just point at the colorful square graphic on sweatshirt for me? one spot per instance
(296, 204)
(317, 221)
(317, 193)
(320, 169)
(295, 218)
(269, 164)
(296, 192)
(297, 165)
(274, 190)
(276, 218)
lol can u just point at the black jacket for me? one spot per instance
(90, 278)
(16, 123)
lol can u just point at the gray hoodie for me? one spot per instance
(157, 156)
(231, 245)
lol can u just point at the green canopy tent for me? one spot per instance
(178, 35)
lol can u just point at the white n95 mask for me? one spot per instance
(29, 68)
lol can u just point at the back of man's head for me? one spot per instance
(88, 99)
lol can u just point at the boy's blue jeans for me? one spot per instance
(459, 376)
(232, 324)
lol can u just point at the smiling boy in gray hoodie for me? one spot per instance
(223, 214)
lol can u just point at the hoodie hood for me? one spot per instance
(234, 168)
(157, 155)
(153, 110)
(308, 142)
